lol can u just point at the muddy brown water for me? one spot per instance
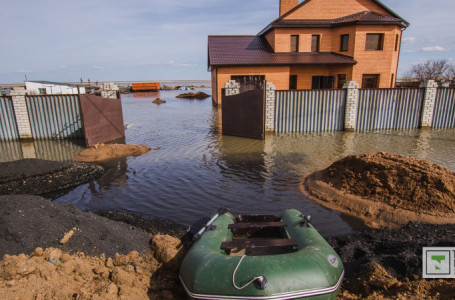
(197, 170)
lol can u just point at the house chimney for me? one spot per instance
(287, 5)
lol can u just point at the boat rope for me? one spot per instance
(247, 284)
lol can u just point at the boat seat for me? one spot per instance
(255, 225)
(257, 243)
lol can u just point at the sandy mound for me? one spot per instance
(386, 190)
(37, 176)
(102, 152)
(53, 274)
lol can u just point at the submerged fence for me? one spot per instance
(389, 109)
(444, 109)
(363, 109)
(94, 118)
(309, 110)
(55, 116)
(8, 124)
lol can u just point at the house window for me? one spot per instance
(315, 43)
(397, 39)
(375, 41)
(294, 43)
(249, 82)
(293, 82)
(341, 80)
(42, 91)
(370, 81)
(344, 44)
(322, 82)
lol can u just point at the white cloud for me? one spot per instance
(24, 71)
(170, 63)
(434, 49)
(409, 40)
(97, 67)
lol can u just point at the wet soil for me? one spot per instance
(387, 263)
(102, 152)
(102, 259)
(191, 95)
(386, 190)
(39, 177)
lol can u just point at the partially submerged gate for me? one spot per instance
(243, 114)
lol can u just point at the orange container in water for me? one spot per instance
(145, 86)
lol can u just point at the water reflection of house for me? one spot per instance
(53, 88)
(316, 44)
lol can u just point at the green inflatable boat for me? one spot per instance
(261, 257)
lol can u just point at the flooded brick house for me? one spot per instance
(317, 44)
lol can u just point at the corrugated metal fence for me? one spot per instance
(389, 108)
(8, 125)
(55, 116)
(444, 109)
(309, 110)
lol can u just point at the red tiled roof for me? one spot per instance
(254, 50)
(361, 18)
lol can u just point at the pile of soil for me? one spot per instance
(102, 152)
(158, 101)
(38, 177)
(387, 263)
(28, 222)
(103, 259)
(197, 95)
(386, 190)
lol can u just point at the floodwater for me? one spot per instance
(196, 170)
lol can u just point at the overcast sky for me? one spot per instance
(103, 40)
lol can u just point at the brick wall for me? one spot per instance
(278, 75)
(332, 9)
(21, 112)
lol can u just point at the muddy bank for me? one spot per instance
(380, 264)
(38, 177)
(102, 259)
(387, 264)
(101, 152)
(386, 190)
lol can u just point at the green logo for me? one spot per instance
(439, 259)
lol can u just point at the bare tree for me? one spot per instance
(451, 75)
(432, 69)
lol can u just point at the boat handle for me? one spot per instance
(209, 223)
(260, 282)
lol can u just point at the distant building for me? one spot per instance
(317, 44)
(52, 88)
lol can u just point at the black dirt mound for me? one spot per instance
(28, 222)
(38, 177)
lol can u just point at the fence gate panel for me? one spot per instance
(309, 110)
(243, 114)
(55, 116)
(8, 124)
(444, 108)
